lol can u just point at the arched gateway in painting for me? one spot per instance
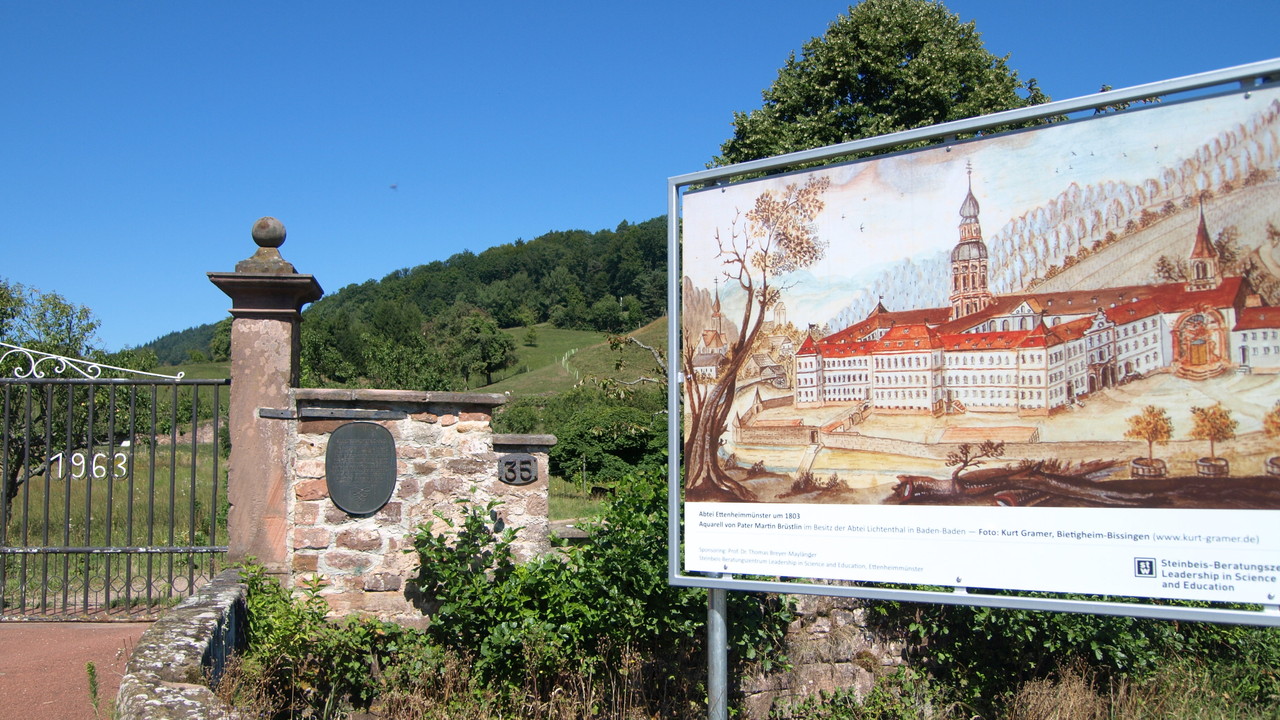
(1199, 341)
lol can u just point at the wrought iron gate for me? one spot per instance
(112, 489)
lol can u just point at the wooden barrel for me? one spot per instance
(1273, 466)
(1212, 467)
(1147, 468)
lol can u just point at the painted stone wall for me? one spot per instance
(445, 452)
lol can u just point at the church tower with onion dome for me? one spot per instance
(969, 291)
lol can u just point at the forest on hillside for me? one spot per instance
(438, 326)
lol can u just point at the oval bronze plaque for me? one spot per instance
(360, 467)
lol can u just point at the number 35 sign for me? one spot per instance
(517, 468)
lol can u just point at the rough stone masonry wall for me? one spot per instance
(445, 452)
(831, 647)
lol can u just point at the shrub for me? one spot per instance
(985, 653)
(586, 609)
(595, 628)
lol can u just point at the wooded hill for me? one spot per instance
(437, 326)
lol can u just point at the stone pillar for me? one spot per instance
(267, 295)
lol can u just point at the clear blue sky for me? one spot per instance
(140, 140)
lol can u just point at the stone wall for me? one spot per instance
(804, 434)
(830, 647)
(168, 671)
(445, 452)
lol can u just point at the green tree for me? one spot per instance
(332, 350)
(607, 315)
(886, 66)
(395, 321)
(220, 343)
(411, 363)
(10, 305)
(45, 323)
(480, 347)
(609, 442)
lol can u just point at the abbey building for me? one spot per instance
(1035, 353)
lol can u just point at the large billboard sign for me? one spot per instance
(1045, 360)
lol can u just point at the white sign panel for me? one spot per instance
(1047, 360)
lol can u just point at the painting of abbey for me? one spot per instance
(1086, 314)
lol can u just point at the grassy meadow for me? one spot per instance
(564, 358)
(199, 371)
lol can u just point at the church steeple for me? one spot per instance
(713, 340)
(1203, 264)
(969, 292)
(715, 310)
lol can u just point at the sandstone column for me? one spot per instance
(267, 295)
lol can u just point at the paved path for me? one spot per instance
(42, 667)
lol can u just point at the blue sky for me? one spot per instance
(139, 141)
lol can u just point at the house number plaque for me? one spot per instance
(517, 468)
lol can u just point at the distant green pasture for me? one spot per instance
(564, 358)
(199, 371)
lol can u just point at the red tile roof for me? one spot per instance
(1258, 318)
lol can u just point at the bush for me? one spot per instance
(589, 609)
(986, 653)
(594, 628)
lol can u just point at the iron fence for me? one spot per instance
(112, 494)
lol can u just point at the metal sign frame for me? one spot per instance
(1234, 79)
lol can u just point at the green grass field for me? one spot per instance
(199, 371)
(548, 366)
(563, 358)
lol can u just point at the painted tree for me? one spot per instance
(1271, 421)
(1214, 424)
(967, 456)
(775, 237)
(1152, 425)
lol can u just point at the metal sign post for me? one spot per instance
(717, 655)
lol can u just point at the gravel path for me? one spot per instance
(42, 667)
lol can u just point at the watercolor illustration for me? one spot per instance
(1081, 315)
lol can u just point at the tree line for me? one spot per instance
(439, 326)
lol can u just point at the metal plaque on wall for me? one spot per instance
(517, 468)
(360, 467)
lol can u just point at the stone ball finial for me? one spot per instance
(268, 232)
